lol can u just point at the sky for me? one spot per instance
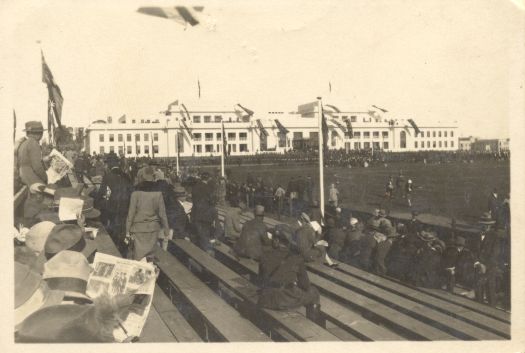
(432, 60)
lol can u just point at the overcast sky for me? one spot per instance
(426, 60)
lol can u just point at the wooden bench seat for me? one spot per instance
(217, 315)
(292, 322)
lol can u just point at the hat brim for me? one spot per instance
(52, 297)
(486, 222)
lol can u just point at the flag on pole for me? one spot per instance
(180, 14)
(382, 109)
(248, 112)
(333, 107)
(330, 86)
(339, 125)
(261, 128)
(225, 151)
(199, 85)
(55, 100)
(122, 119)
(416, 128)
(281, 128)
(350, 130)
(324, 128)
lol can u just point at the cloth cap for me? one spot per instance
(259, 210)
(382, 213)
(37, 235)
(34, 126)
(67, 237)
(426, 236)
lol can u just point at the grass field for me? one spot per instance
(450, 190)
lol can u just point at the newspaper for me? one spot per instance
(59, 166)
(114, 275)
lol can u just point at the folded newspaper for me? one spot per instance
(59, 166)
(113, 276)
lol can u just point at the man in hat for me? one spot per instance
(179, 220)
(67, 237)
(336, 238)
(284, 281)
(454, 256)
(232, 221)
(253, 238)
(486, 256)
(414, 226)
(305, 238)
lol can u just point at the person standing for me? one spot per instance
(232, 222)
(253, 237)
(147, 220)
(279, 197)
(409, 187)
(333, 194)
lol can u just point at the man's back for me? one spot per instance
(30, 162)
(251, 239)
(232, 223)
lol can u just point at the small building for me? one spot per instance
(465, 143)
(490, 145)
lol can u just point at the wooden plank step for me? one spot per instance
(177, 324)
(155, 330)
(296, 324)
(224, 319)
(354, 323)
(459, 312)
(458, 328)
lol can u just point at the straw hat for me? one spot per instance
(68, 237)
(37, 235)
(68, 271)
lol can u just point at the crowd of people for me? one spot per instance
(143, 205)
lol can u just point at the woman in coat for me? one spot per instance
(147, 219)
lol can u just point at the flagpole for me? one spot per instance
(321, 174)
(223, 145)
(177, 146)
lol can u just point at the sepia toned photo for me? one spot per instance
(301, 171)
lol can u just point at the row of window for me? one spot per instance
(435, 133)
(208, 136)
(207, 119)
(120, 137)
(435, 144)
(129, 149)
(366, 134)
(209, 148)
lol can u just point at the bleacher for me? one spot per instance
(203, 298)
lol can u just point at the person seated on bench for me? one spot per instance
(283, 278)
(253, 236)
(232, 221)
(309, 241)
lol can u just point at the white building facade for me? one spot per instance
(198, 132)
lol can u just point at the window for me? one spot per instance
(146, 137)
(218, 136)
(375, 134)
(428, 144)
(101, 150)
(433, 134)
(243, 147)
(415, 144)
(196, 119)
(218, 118)
(314, 136)
(357, 145)
(366, 134)
(101, 138)
(155, 137)
(297, 135)
(243, 136)
(198, 148)
(385, 134)
(452, 134)
(439, 133)
(367, 145)
(353, 119)
(428, 133)
(120, 150)
(445, 133)
(128, 149)
(440, 144)
(231, 136)
(357, 134)
(208, 148)
(218, 148)
(233, 148)
(403, 139)
(120, 139)
(137, 137)
(111, 137)
(446, 143)
(111, 149)
(376, 145)
(208, 137)
(207, 119)
(137, 148)
(128, 137)
(385, 145)
(451, 143)
(146, 149)
(133, 121)
(197, 136)
(433, 144)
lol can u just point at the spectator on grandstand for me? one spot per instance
(493, 204)
(253, 238)
(454, 256)
(336, 237)
(315, 212)
(284, 280)
(426, 271)
(232, 221)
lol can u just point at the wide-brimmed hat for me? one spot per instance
(30, 293)
(148, 174)
(68, 271)
(68, 237)
(88, 209)
(304, 217)
(37, 235)
(34, 126)
(426, 236)
(179, 191)
(259, 210)
(486, 218)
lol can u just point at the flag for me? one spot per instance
(416, 128)
(225, 151)
(333, 107)
(248, 112)
(261, 128)
(350, 130)
(330, 86)
(181, 14)
(184, 111)
(168, 109)
(55, 100)
(199, 85)
(339, 125)
(122, 119)
(383, 110)
(280, 126)
(324, 129)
